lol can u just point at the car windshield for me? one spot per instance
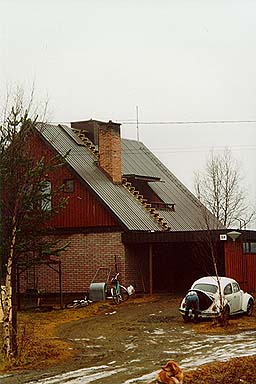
(206, 287)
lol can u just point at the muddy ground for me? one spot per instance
(129, 343)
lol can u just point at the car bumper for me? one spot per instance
(203, 314)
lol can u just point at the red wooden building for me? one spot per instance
(127, 210)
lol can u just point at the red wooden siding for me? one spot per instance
(250, 260)
(83, 208)
(239, 266)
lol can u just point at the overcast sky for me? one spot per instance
(178, 61)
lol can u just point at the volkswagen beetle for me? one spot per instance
(232, 299)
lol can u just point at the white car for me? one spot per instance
(234, 300)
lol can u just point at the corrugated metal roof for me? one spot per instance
(116, 197)
(136, 159)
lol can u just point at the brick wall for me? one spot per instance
(79, 263)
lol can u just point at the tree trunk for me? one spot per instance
(9, 315)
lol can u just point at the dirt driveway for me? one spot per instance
(129, 343)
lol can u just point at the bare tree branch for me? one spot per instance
(219, 188)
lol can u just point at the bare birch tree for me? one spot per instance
(26, 205)
(220, 188)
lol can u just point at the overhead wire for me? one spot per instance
(195, 149)
(186, 122)
(191, 150)
(128, 122)
(171, 122)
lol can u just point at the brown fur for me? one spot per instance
(171, 373)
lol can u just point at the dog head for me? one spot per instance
(170, 373)
(172, 368)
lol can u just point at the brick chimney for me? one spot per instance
(110, 150)
(107, 137)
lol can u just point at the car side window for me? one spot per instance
(228, 289)
(236, 287)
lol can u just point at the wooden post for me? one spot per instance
(150, 270)
(60, 285)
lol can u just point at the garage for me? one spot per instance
(170, 262)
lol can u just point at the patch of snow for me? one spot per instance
(130, 346)
(158, 331)
(80, 376)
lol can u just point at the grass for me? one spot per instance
(38, 344)
(235, 371)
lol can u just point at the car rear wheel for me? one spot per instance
(186, 318)
(249, 307)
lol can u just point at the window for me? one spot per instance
(253, 247)
(46, 202)
(68, 186)
(249, 247)
(246, 247)
(228, 289)
(236, 287)
(206, 288)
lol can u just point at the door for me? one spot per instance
(237, 297)
(233, 295)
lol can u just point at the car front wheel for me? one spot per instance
(249, 307)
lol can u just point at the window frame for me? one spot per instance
(235, 287)
(249, 247)
(46, 197)
(68, 185)
(231, 289)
